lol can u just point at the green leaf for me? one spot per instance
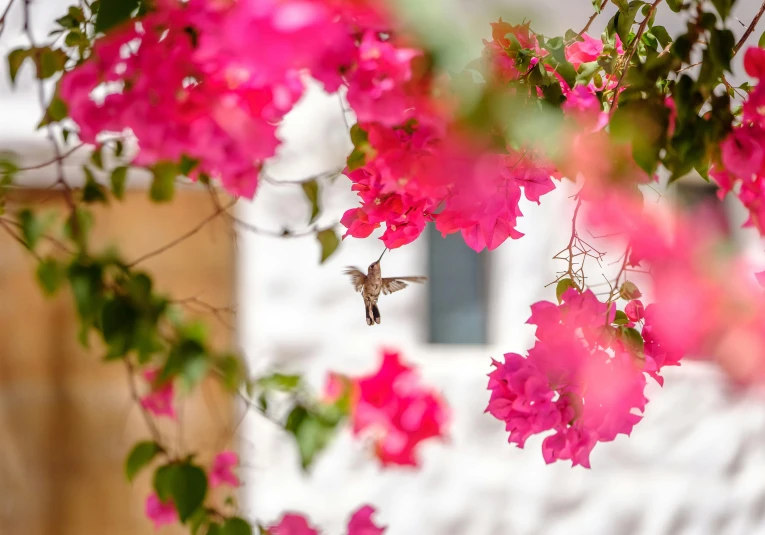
(33, 227)
(199, 520)
(49, 61)
(629, 291)
(118, 178)
(595, 6)
(236, 526)
(187, 165)
(761, 42)
(97, 157)
(163, 184)
(311, 190)
(15, 60)
(231, 370)
(278, 381)
(723, 7)
(57, 111)
(675, 5)
(141, 455)
(185, 484)
(114, 12)
(78, 225)
(621, 318)
(356, 160)
(329, 242)
(621, 4)
(119, 320)
(311, 434)
(50, 275)
(633, 339)
(562, 286)
(93, 192)
(660, 32)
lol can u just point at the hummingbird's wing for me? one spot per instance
(394, 284)
(357, 277)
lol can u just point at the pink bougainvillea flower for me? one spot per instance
(397, 411)
(669, 102)
(584, 51)
(579, 381)
(635, 310)
(377, 88)
(743, 153)
(221, 472)
(361, 522)
(760, 276)
(292, 524)
(754, 62)
(160, 513)
(159, 401)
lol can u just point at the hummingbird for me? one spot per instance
(371, 284)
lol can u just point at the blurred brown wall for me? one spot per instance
(66, 418)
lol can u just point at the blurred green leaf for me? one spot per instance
(621, 318)
(278, 381)
(15, 60)
(562, 286)
(49, 61)
(32, 227)
(633, 339)
(311, 434)
(329, 243)
(629, 291)
(231, 370)
(311, 190)
(141, 455)
(93, 192)
(723, 7)
(163, 184)
(236, 526)
(114, 12)
(660, 32)
(50, 275)
(118, 178)
(185, 484)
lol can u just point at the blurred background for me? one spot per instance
(694, 465)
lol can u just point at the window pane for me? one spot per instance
(457, 290)
(701, 199)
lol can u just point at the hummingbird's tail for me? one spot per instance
(373, 313)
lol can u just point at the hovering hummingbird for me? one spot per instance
(371, 284)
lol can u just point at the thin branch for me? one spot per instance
(18, 238)
(750, 29)
(152, 426)
(319, 176)
(286, 233)
(633, 49)
(55, 241)
(592, 18)
(218, 312)
(64, 156)
(59, 159)
(184, 237)
(5, 16)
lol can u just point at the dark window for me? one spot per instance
(456, 290)
(700, 198)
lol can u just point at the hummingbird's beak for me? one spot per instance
(384, 251)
